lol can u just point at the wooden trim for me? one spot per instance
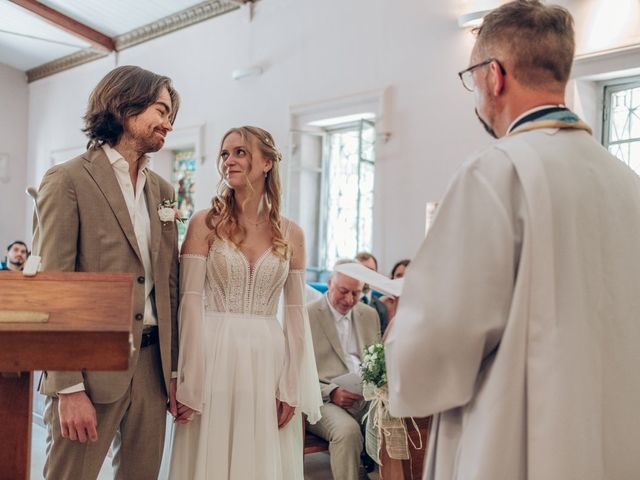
(63, 63)
(185, 18)
(96, 39)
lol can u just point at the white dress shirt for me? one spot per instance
(137, 206)
(344, 325)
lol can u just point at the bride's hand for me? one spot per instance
(184, 414)
(285, 412)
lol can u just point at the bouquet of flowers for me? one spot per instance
(373, 367)
(373, 370)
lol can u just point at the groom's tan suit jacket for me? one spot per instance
(85, 227)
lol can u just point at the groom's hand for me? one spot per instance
(78, 419)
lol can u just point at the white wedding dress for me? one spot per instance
(235, 359)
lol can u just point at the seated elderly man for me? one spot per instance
(341, 326)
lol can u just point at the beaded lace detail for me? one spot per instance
(234, 286)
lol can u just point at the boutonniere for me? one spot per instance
(168, 212)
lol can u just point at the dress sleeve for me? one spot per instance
(299, 381)
(190, 319)
(293, 326)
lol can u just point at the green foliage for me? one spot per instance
(374, 369)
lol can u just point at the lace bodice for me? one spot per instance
(223, 282)
(234, 286)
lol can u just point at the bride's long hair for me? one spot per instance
(222, 218)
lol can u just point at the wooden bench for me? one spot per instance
(312, 443)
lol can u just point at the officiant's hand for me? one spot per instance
(344, 398)
(78, 419)
(285, 412)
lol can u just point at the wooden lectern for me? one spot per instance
(55, 321)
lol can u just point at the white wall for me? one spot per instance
(13, 142)
(312, 51)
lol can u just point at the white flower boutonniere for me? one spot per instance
(168, 212)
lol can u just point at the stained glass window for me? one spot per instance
(622, 123)
(183, 178)
(349, 192)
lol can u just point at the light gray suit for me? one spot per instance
(85, 226)
(342, 428)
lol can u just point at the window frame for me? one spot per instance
(610, 88)
(355, 126)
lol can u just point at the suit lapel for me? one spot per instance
(101, 171)
(357, 326)
(152, 196)
(331, 332)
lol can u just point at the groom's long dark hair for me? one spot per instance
(124, 92)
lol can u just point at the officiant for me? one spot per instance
(341, 326)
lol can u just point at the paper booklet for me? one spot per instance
(375, 280)
(351, 382)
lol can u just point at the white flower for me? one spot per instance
(167, 214)
(372, 348)
(374, 357)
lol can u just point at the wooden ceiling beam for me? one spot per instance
(68, 24)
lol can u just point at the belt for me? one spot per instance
(149, 337)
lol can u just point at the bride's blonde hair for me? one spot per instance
(222, 218)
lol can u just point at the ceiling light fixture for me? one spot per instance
(472, 19)
(240, 73)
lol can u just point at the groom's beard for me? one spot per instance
(486, 126)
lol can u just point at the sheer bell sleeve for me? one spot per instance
(299, 381)
(190, 317)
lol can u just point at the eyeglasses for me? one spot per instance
(466, 76)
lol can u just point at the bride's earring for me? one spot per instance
(261, 205)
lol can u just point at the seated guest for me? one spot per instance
(392, 302)
(368, 260)
(341, 326)
(399, 268)
(17, 253)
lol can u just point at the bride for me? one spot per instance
(241, 376)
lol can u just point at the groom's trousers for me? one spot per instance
(135, 423)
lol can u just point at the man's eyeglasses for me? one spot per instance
(466, 76)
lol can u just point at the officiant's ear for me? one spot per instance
(497, 74)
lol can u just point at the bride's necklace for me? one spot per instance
(254, 223)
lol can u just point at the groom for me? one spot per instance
(99, 213)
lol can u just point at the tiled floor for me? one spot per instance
(316, 466)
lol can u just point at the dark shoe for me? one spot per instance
(368, 463)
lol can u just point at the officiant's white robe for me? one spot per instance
(520, 317)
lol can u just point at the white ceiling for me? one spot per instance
(115, 17)
(28, 41)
